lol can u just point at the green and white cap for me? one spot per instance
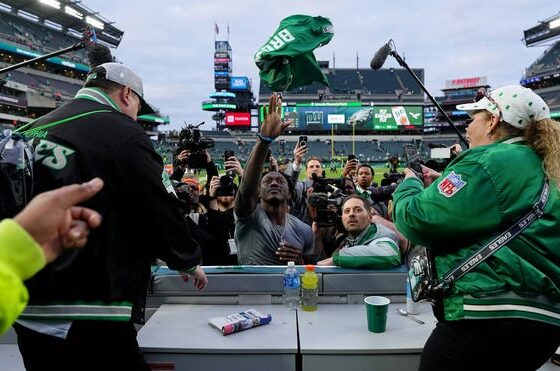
(122, 75)
(519, 106)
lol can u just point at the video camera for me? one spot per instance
(191, 140)
(327, 198)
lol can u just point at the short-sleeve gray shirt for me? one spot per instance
(258, 238)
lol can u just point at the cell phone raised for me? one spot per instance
(302, 141)
(268, 155)
(412, 159)
(228, 154)
(351, 157)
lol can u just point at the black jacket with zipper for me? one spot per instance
(141, 218)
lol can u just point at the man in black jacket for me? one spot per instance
(100, 290)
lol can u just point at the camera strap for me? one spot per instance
(497, 242)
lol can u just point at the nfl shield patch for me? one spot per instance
(451, 184)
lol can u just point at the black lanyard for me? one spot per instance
(497, 242)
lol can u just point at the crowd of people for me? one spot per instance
(268, 219)
(83, 304)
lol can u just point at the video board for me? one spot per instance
(238, 119)
(349, 116)
(222, 65)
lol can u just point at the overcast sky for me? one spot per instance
(170, 43)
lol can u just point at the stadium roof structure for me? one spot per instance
(365, 85)
(547, 30)
(69, 14)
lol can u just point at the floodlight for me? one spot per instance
(555, 23)
(94, 22)
(73, 12)
(53, 3)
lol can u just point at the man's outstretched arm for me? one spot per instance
(248, 194)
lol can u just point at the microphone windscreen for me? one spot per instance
(99, 54)
(380, 56)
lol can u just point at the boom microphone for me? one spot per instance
(98, 54)
(380, 56)
(378, 60)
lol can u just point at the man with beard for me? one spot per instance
(265, 233)
(372, 242)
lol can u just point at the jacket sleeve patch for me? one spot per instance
(451, 184)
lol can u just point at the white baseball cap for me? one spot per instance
(517, 105)
(122, 75)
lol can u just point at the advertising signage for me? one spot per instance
(469, 82)
(397, 117)
(217, 106)
(239, 83)
(348, 116)
(222, 67)
(238, 119)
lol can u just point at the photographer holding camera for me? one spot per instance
(233, 167)
(188, 191)
(313, 165)
(393, 165)
(184, 161)
(265, 231)
(223, 250)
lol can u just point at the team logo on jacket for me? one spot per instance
(451, 184)
(52, 155)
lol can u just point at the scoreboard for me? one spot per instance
(351, 116)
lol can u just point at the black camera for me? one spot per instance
(413, 161)
(191, 139)
(227, 186)
(186, 193)
(327, 198)
(390, 178)
(383, 193)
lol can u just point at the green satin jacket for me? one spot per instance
(480, 194)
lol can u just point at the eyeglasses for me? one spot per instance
(482, 94)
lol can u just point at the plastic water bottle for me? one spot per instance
(309, 289)
(291, 286)
(411, 306)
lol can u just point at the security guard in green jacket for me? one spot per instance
(504, 314)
